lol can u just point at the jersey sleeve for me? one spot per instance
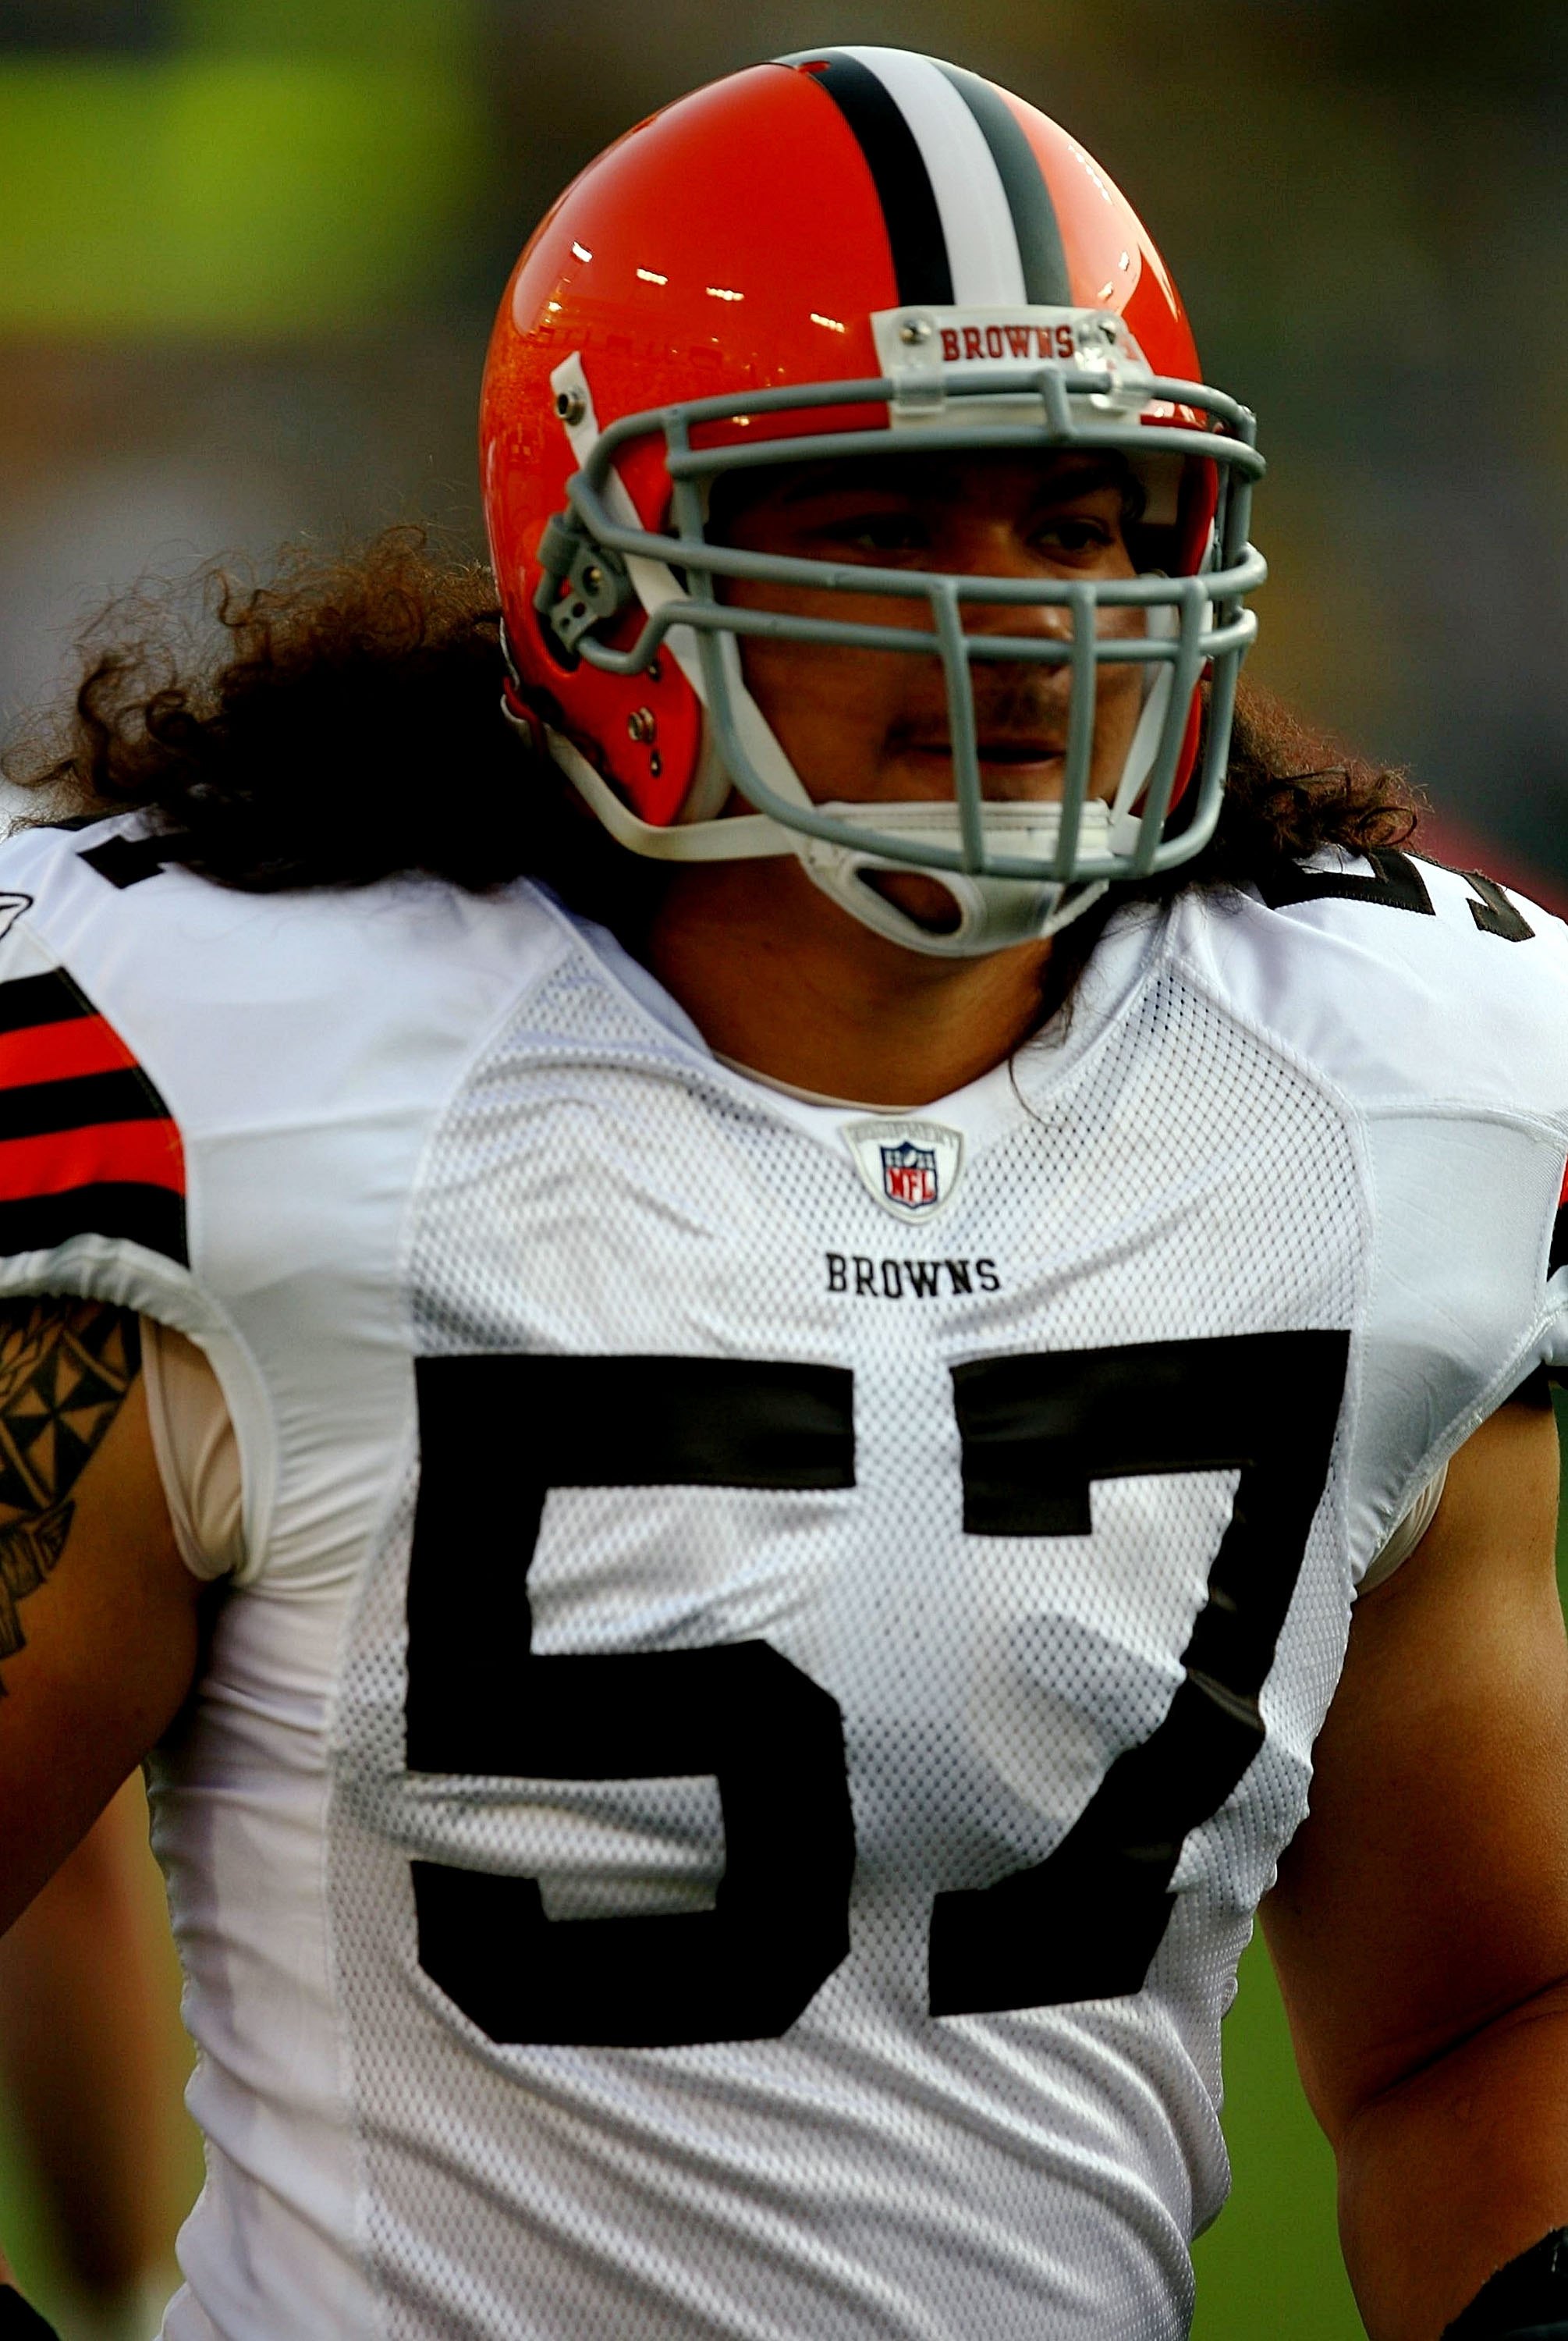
(92, 1172)
(1397, 1548)
(1433, 1005)
(88, 1146)
(1554, 1346)
(213, 1108)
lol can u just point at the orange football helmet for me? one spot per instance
(855, 249)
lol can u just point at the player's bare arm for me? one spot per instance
(1419, 1925)
(98, 1624)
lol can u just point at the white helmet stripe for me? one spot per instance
(971, 200)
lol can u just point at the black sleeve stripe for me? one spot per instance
(1034, 221)
(153, 1216)
(95, 1153)
(29, 999)
(1558, 1256)
(81, 1103)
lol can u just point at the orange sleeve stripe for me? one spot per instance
(143, 1153)
(56, 1052)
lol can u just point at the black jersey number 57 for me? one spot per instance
(1036, 1432)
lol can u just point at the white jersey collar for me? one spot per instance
(983, 1107)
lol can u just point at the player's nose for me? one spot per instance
(996, 549)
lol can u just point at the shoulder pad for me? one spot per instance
(1398, 979)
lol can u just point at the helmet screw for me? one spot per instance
(592, 578)
(655, 671)
(570, 405)
(656, 763)
(641, 723)
(913, 331)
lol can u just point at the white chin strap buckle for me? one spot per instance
(992, 913)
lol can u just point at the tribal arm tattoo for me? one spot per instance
(65, 1368)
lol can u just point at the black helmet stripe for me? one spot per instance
(1035, 219)
(920, 264)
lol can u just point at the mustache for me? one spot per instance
(1017, 701)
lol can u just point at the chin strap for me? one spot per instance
(992, 912)
(748, 837)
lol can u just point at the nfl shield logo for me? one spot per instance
(909, 1176)
(910, 1165)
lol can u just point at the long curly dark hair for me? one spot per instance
(341, 723)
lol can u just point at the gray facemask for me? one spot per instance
(1014, 871)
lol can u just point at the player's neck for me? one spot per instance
(777, 977)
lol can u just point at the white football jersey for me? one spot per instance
(779, 1646)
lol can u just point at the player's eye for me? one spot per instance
(1072, 533)
(873, 534)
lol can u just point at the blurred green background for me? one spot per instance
(249, 251)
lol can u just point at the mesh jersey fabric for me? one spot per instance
(475, 1142)
(1038, 2171)
(198, 1453)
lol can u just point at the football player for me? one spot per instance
(723, 1446)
